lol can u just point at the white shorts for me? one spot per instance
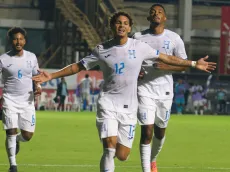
(198, 103)
(122, 125)
(24, 118)
(154, 111)
(86, 96)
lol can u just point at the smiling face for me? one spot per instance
(18, 42)
(121, 27)
(157, 15)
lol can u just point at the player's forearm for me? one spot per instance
(175, 68)
(66, 71)
(173, 60)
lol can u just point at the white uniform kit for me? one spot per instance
(117, 102)
(155, 90)
(18, 97)
(85, 89)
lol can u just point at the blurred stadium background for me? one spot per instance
(61, 32)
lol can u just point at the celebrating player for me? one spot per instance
(155, 90)
(120, 60)
(17, 67)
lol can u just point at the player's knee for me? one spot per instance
(159, 133)
(27, 136)
(146, 135)
(122, 156)
(122, 153)
(11, 131)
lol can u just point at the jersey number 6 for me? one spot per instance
(19, 74)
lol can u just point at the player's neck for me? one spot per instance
(120, 41)
(18, 53)
(157, 29)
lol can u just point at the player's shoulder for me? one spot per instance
(29, 54)
(137, 43)
(4, 55)
(140, 34)
(104, 45)
(171, 34)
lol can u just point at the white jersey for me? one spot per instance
(85, 85)
(120, 66)
(196, 88)
(17, 75)
(158, 84)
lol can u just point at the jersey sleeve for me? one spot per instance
(179, 49)
(35, 67)
(149, 52)
(92, 60)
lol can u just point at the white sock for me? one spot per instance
(11, 148)
(196, 112)
(20, 138)
(201, 112)
(107, 160)
(145, 153)
(156, 147)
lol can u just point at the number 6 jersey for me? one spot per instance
(17, 72)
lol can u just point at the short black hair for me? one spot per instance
(118, 14)
(15, 30)
(86, 75)
(157, 5)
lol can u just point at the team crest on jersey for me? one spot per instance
(132, 54)
(166, 44)
(29, 64)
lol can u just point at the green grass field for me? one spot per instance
(68, 142)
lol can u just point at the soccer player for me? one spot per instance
(120, 60)
(155, 90)
(17, 67)
(179, 96)
(86, 85)
(197, 98)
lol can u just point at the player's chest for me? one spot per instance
(18, 67)
(164, 45)
(121, 58)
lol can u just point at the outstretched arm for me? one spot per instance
(66, 71)
(201, 64)
(163, 66)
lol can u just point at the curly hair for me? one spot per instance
(15, 30)
(157, 5)
(118, 14)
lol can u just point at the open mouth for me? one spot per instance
(156, 19)
(18, 46)
(121, 31)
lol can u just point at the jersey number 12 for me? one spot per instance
(119, 68)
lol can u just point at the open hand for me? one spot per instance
(42, 77)
(205, 66)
